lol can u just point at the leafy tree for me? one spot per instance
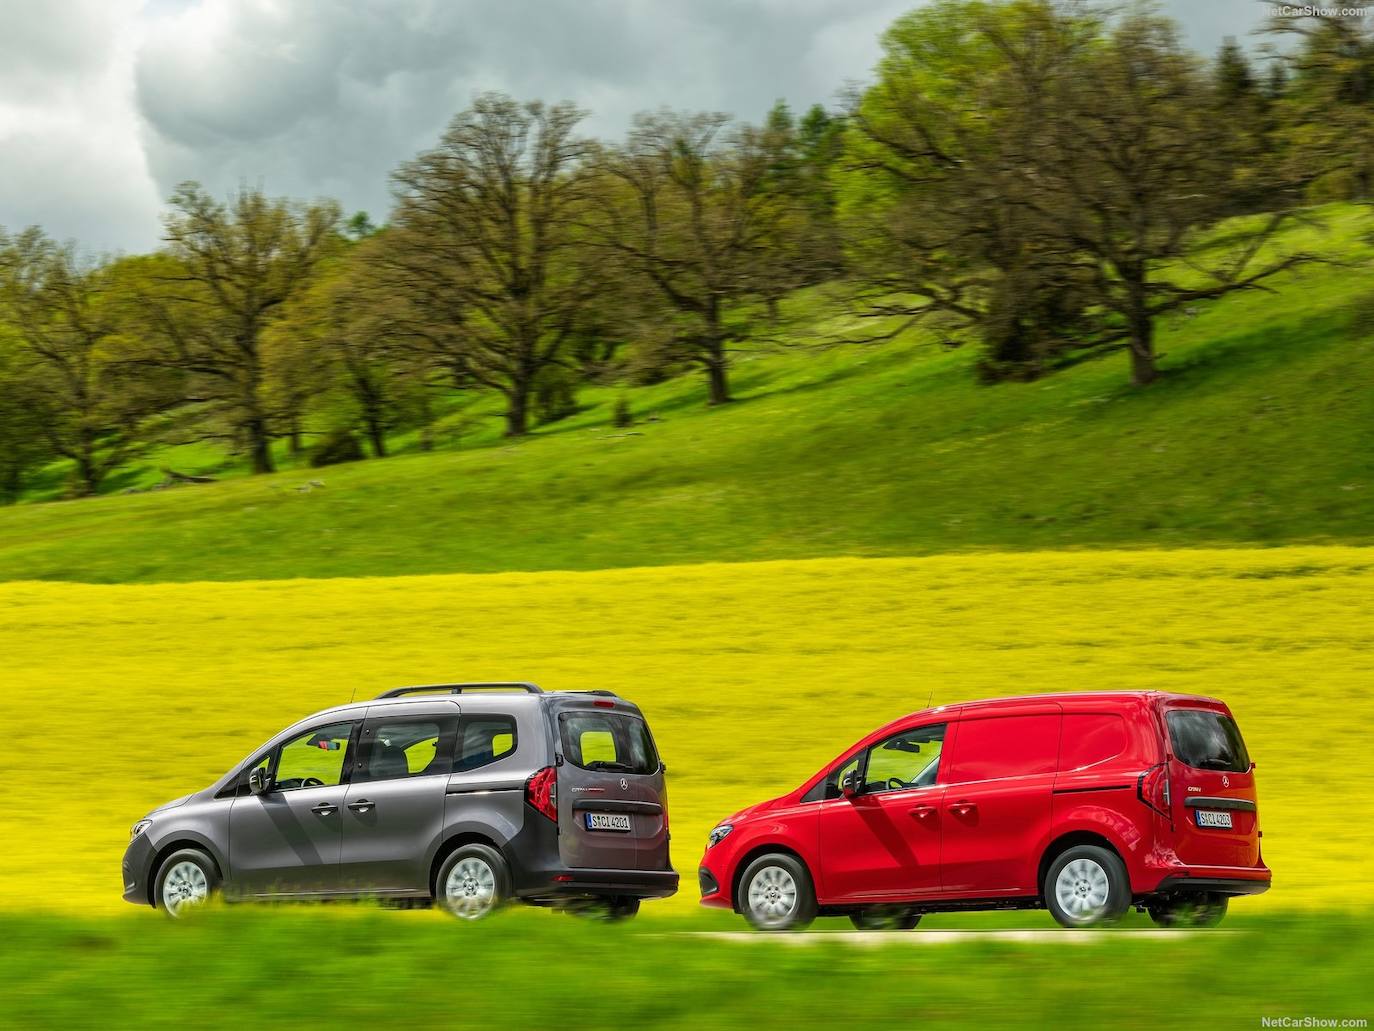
(483, 251)
(933, 201)
(691, 209)
(1328, 101)
(23, 445)
(1040, 174)
(207, 303)
(62, 312)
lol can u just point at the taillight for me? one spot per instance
(1153, 789)
(541, 791)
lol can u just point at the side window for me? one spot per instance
(405, 746)
(315, 759)
(483, 739)
(1090, 739)
(910, 759)
(1005, 746)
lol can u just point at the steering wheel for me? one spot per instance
(896, 784)
(311, 782)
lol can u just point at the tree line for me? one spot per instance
(1043, 182)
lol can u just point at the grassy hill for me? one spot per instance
(1260, 432)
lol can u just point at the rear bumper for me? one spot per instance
(1183, 884)
(639, 884)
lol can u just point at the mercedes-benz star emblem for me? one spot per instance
(624, 784)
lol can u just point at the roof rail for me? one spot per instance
(495, 685)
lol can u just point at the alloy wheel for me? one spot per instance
(470, 890)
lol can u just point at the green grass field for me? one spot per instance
(526, 970)
(1259, 433)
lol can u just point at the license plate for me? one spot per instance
(608, 822)
(1207, 818)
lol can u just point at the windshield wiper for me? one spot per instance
(602, 764)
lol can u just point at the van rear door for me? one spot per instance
(1212, 782)
(612, 805)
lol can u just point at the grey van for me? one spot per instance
(467, 795)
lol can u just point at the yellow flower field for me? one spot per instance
(118, 698)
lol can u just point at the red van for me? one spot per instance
(1084, 804)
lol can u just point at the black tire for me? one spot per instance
(885, 918)
(185, 880)
(1087, 886)
(785, 899)
(473, 882)
(1205, 909)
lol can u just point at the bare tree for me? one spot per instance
(689, 206)
(1138, 172)
(483, 249)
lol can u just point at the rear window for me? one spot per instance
(1207, 740)
(609, 741)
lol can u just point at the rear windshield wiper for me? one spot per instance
(1217, 764)
(602, 764)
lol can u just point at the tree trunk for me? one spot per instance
(295, 436)
(376, 433)
(517, 410)
(260, 445)
(1143, 371)
(717, 364)
(772, 302)
(88, 475)
(717, 380)
(87, 481)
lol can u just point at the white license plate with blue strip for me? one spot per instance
(608, 822)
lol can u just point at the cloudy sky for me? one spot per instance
(105, 105)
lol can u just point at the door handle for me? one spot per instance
(922, 812)
(325, 809)
(963, 808)
(363, 805)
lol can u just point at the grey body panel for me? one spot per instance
(285, 842)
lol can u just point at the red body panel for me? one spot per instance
(1015, 777)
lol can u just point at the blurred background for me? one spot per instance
(782, 367)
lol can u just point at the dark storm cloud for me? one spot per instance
(105, 105)
(328, 97)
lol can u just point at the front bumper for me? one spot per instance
(137, 870)
(571, 883)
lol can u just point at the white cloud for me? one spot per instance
(70, 150)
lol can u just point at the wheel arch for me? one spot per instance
(453, 843)
(177, 844)
(764, 849)
(1068, 840)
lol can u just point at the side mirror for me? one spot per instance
(259, 780)
(849, 786)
